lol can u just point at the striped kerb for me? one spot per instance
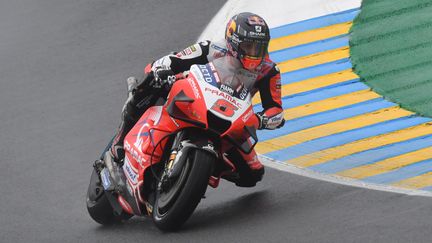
(334, 123)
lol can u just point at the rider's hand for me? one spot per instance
(163, 76)
(270, 123)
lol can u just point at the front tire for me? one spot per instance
(98, 206)
(189, 189)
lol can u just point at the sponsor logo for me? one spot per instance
(130, 173)
(232, 26)
(133, 152)
(212, 67)
(274, 121)
(216, 75)
(194, 88)
(227, 89)
(247, 115)
(187, 51)
(258, 28)
(277, 118)
(257, 34)
(154, 115)
(224, 95)
(243, 93)
(218, 48)
(206, 74)
(106, 181)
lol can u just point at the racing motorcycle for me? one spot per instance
(177, 149)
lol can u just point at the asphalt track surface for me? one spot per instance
(62, 69)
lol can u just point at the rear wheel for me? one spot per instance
(98, 206)
(174, 205)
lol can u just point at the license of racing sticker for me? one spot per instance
(130, 172)
(105, 177)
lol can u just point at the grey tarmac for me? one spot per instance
(63, 66)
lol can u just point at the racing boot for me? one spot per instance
(249, 168)
(129, 119)
(141, 96)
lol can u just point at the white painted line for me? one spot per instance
(338, 179)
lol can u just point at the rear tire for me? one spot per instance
(197, 171)
(98, 206)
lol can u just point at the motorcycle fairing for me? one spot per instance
(207, 80)
(196, 98)
(139, 144)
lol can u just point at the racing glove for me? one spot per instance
(163, 76)
(270, 123)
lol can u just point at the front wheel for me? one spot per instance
(175, 205)
(98, 206)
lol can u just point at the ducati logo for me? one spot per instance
(258, 28)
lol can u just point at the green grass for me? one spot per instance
(391, 50)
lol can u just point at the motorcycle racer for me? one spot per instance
(247, 37)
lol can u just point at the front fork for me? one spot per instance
(180, 149)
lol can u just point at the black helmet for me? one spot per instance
(247, 37)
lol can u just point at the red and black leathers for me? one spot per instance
(268, 84)
(268, 80)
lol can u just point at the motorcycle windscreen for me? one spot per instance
(231, 73)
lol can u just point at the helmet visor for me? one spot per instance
(254, 49)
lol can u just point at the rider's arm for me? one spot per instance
(182, 61)
(164, 70)
(270, 91)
